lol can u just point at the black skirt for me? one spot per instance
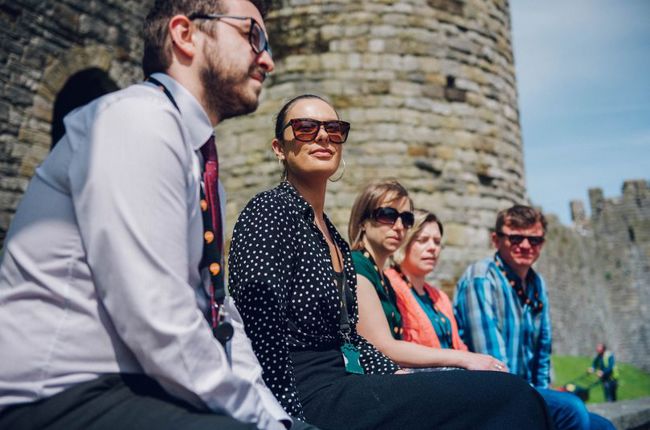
(456, 399)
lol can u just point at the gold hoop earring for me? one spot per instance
(342, 173)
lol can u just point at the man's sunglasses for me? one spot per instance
(517, 239)
(256, 36)
(306, 129)
(388, 215)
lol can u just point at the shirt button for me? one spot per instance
(208, 236)
(215, 268)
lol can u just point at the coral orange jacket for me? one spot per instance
(415, 322)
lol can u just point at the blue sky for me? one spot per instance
(583, 75)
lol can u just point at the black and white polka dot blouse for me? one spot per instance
(281, 279)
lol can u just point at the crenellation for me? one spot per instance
(602, 265)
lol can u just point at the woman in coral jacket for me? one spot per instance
(427, 313)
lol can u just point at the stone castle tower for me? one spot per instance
(429, 87)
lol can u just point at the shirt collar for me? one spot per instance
(303, 206)
(193, 115)
(307, 212)
(511, 275)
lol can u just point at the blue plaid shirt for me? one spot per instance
(493, 319)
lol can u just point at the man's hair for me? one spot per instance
(519, 216)
(370, 199)
(157, 55)
(422, 218)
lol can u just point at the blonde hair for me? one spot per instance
(370, 198)
(422, 218)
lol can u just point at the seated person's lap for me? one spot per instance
(454, 399)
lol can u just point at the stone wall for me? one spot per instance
(43, 43)
(598, 272)
(429, 88)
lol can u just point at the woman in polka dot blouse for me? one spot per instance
(292, 278)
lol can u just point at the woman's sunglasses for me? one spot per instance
(517, 239)
(388, 215)
(306, 129)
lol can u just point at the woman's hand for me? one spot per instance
(474, 361)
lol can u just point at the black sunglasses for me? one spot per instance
(517, 239)
(256, 36)
(388, 215)
(306, 129)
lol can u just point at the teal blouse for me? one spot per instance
(439, 321)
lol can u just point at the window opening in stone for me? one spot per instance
(451, 81)
(80, 88)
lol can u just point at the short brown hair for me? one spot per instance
(157, 55)
(370, 198)
(519, 216)
(422, 218)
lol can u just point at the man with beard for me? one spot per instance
(501, 307)
(105, 279)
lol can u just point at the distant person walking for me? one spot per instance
(604, 365)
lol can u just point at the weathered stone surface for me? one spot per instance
(598, 273)
(43, 44)
(626, 415)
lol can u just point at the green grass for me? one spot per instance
(632, 382)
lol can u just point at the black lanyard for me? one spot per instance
(525, 298)
(340, 280)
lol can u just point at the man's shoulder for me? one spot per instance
(272, 205)
(136, 95)
(479, 269)
(136, 104)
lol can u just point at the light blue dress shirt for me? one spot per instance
(100, 267)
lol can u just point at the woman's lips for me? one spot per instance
(322, 153)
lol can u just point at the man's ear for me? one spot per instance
(494, 238)
(183, 34)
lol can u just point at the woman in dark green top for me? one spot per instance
(380, 220)
(366, 268)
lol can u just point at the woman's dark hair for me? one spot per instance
(281, 117)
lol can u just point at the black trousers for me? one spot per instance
(609, 388)
(428, 400)
(114, 402)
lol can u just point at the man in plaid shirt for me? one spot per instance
(502, 309)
